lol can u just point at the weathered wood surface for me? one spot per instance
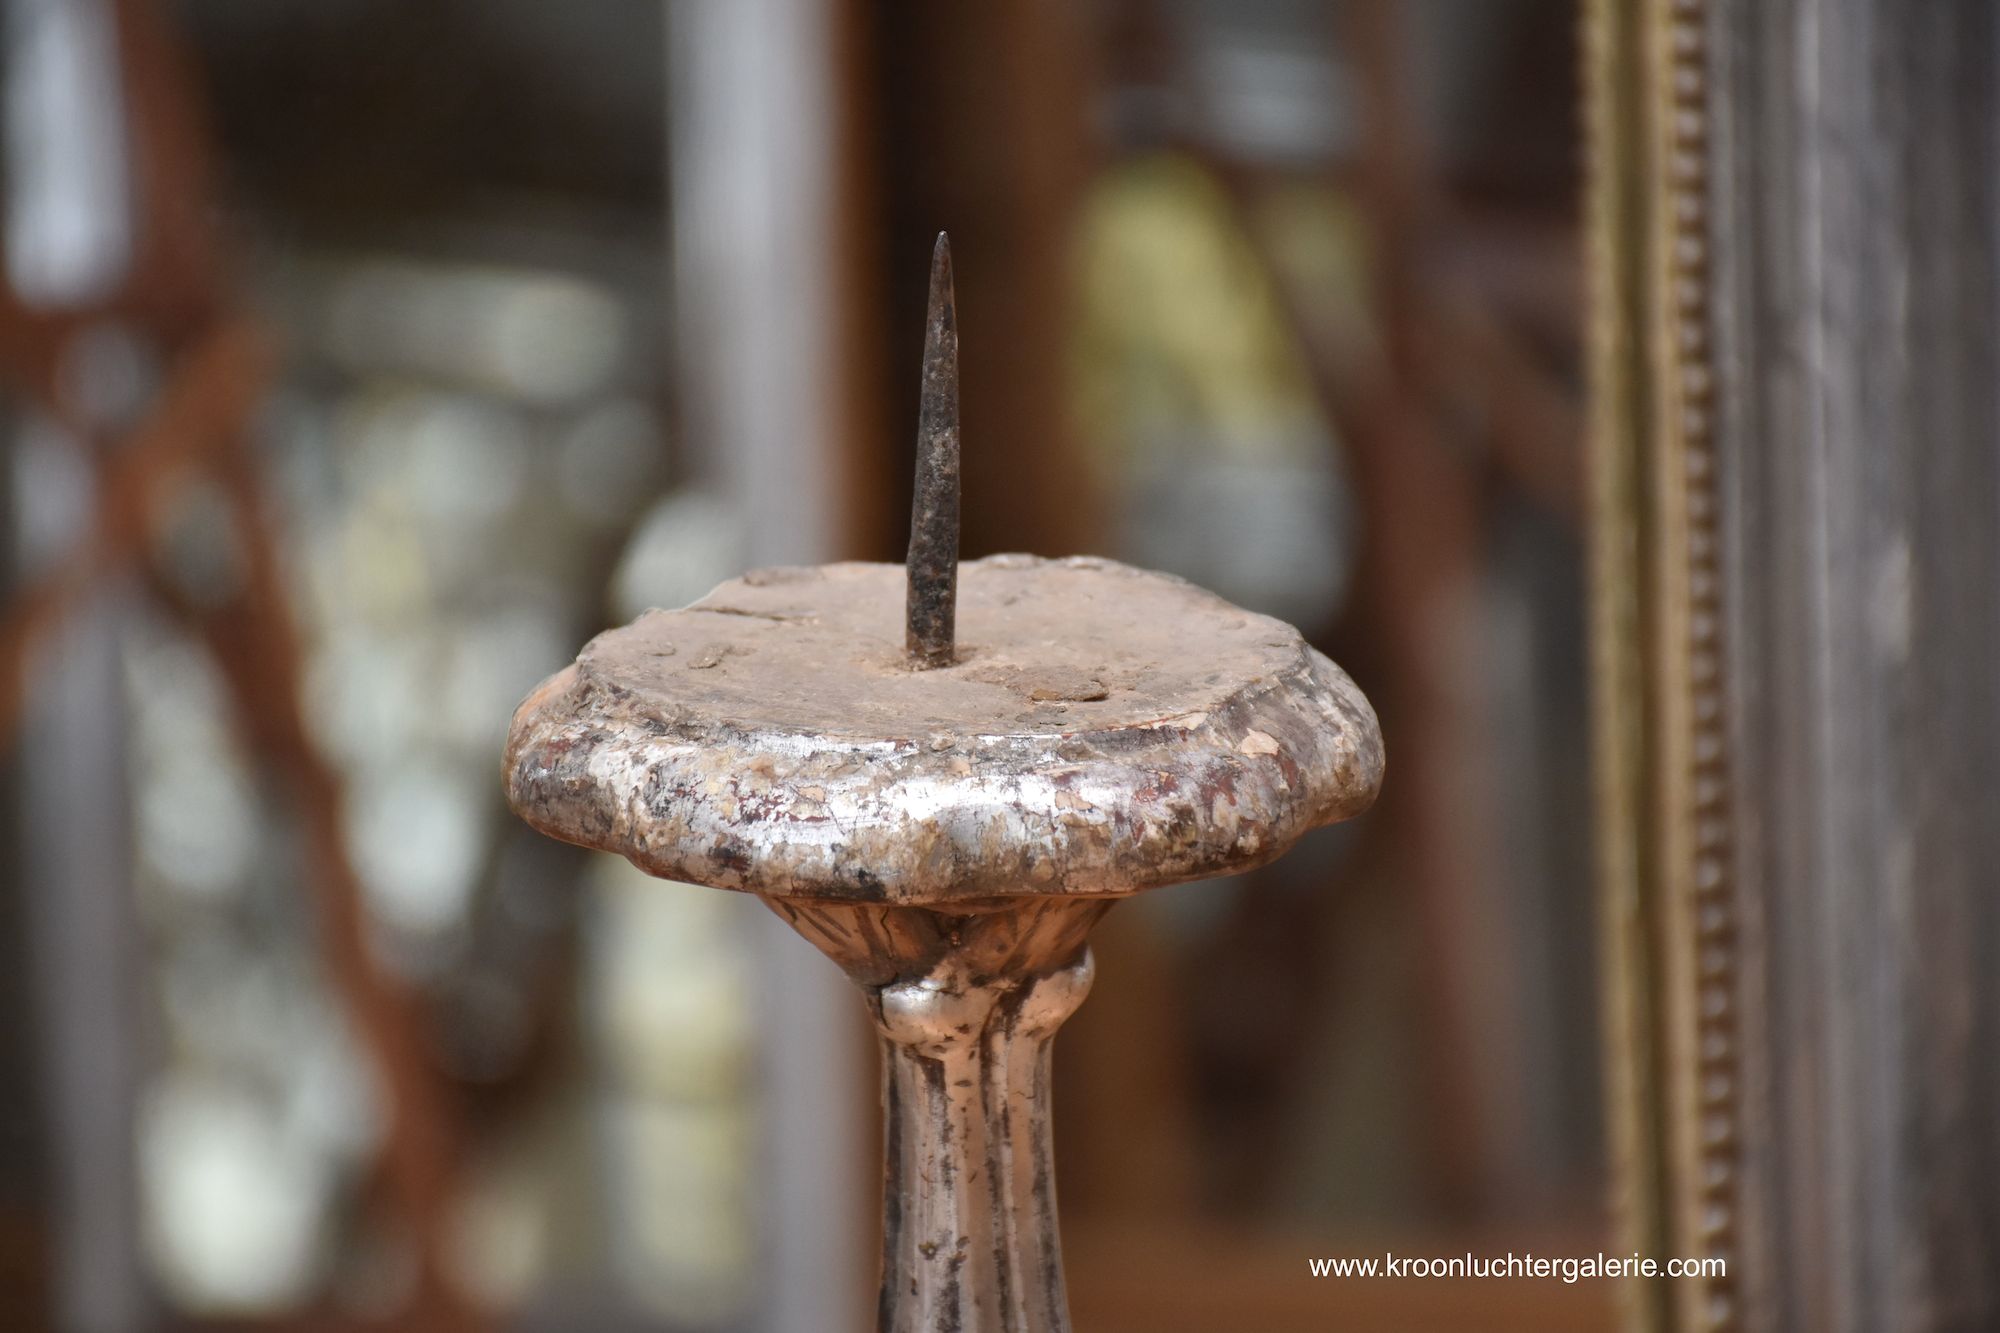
(1101, 730)
(1857, 241)
(1814, 910)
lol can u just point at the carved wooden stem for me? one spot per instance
(969, 1198)
(968, 1001)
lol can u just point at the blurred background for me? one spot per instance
(361, 358)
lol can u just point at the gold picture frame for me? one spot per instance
(1662, 751)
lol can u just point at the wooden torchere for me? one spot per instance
(942, 775)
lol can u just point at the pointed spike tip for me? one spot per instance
(932, 565)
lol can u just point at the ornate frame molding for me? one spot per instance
(1796, 227)
(1668, 898)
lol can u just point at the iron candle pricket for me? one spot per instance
(945, 801)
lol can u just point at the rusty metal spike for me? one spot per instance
(932, 564)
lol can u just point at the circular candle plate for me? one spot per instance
(1100, 729)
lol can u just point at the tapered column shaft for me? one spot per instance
(969, 1203)
(967, 1002)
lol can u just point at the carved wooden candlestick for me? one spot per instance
(942, 775)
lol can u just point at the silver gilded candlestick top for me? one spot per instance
(948, 834)
(931, 603)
